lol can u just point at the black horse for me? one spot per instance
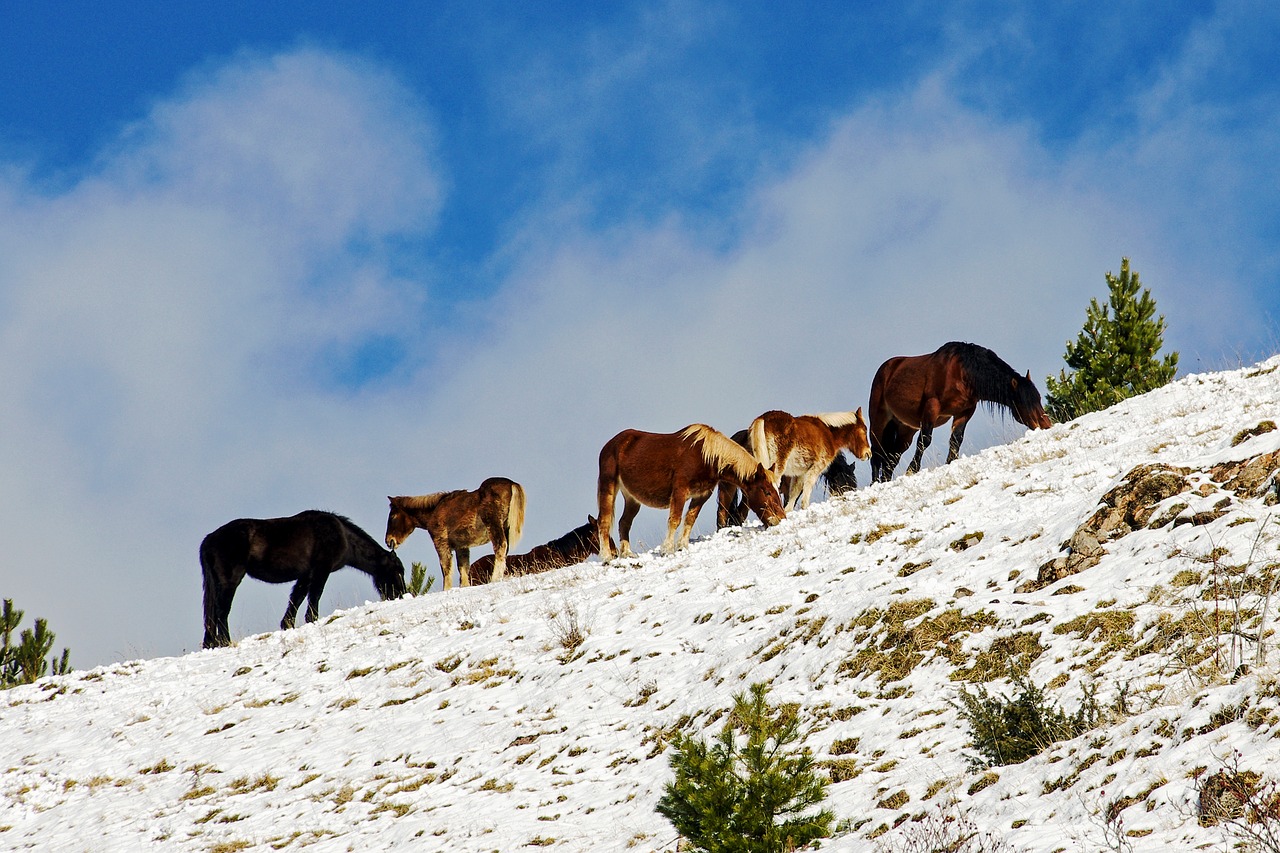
(305, 548)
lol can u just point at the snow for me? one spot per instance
(466, 721)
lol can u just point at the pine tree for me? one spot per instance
(748, 791)
(28, 660)
(1114, 356)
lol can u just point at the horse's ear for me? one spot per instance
(1028, 375)
(1014, 383)
(591, 519)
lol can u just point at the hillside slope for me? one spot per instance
(533, 713)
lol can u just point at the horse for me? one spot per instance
(668, 469)
(568, 550)
(460, 520)
(921, 392)
(797, 450)
(305, 548)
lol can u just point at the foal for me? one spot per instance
(796, 450)
(460, 520)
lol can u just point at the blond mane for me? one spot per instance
(421, 502)
(720, 451)
(838, 419)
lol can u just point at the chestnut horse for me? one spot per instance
(460, 520)
(668, 469)
(305, 548)
(797, 450)
(568, 550)
(921, 392)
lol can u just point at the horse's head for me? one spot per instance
(591, 536)
(1028, 409)
(840, 475)
(389, 581)
(860, 444)
(761, 496)
(399, 525)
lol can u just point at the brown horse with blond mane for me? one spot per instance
(460, 520)
(797, 450)
(568, 550)
(922, 392)
(670, 469)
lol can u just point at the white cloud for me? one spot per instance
(168, 316)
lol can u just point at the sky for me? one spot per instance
(257, 260)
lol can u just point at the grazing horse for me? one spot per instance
(305, 548)
(568, 550)
(921, 392)
(668, 469)
(840, 476)
(797, 450)
(460, 520)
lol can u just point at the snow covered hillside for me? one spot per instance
(535, 713)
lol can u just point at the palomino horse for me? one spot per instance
(305, 548)
(797, 450)
(460, 520)
(668, 469)
(568, 550)
(921, 392)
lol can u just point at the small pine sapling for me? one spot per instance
(750, 790)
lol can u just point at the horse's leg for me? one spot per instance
(501, 544)
(629, 509)
(958, 423)
(296, 595)
(922, 444)
(314, 590)
(884, 455)
(446, 561)
(675, 511)
(606, 497)
(464, 567)
(806, 484)
(726, 499)
(690, 517)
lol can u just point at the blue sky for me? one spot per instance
(258, 258)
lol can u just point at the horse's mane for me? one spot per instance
(356, 530)
(423, 502)
(721, 451)
(837, 419)
(990, 377)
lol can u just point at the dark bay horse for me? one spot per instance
(797, 450)
(460, 520)
(670, 469)
(921, 392)
(731, 510)
(568, 550)
(305, 548)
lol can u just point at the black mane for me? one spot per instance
(990, 377)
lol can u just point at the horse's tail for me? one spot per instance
(515, 515)
(211, 570)
(759, 438)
